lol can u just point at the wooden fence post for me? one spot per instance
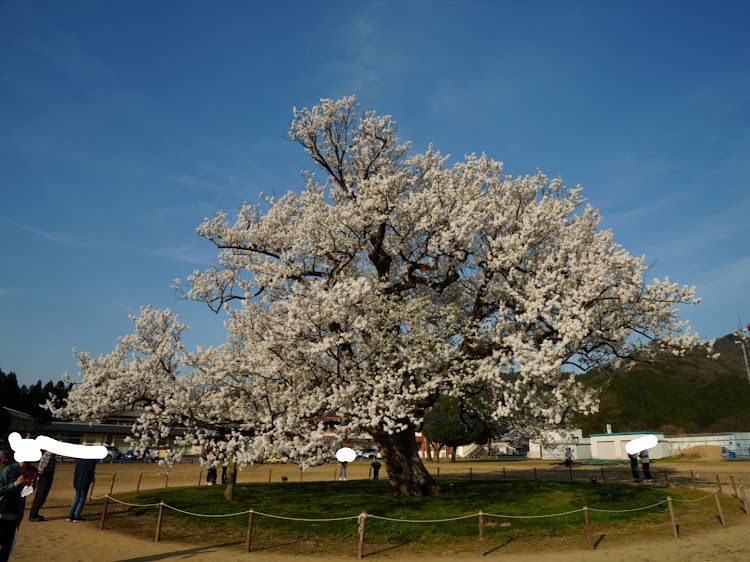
(249, 530)
(166, 479)
(570, 468)
(604, 478)
(718, 506)
(138, 487)
(534, 473)
(734, 485)
(744, 498)
(91, 491)
(718, 482)
(692, 475)
(481, 532)
(369, 474)
(200, 475)
(362, 522)
(588, 527)
(158, 521)
(666, 477)
(438, 473)
(269, 474)
(104, 512)
(471, 476)
(671, 516)
(112, 486)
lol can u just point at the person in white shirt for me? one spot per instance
(568, 457)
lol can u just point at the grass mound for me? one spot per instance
(321, 500)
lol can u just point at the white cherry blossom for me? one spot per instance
(389, 280)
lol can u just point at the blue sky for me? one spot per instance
(124, 123)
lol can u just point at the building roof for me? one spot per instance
(79, 427)
(18, 414)
(628, 433)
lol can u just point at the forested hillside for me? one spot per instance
(27, 399)
(690, 394)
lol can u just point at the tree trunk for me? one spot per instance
(231, 480)
(453, 454)
(408, 475)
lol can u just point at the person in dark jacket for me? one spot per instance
(82, 479)
(13, 478)
(43, 484)
(634, 466)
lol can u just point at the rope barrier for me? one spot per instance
(699, 499)
(206, 514)
(535, 516)
(624, 510)
(506, 516)
(126, 503)
(362, 517)
(421, 520)
(298, 519)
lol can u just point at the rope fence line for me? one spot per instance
(696, 500)
(362, 517)
(422, 520)
(534, 516)
(625, 510)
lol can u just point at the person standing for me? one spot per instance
(646, 463)
(634, 467)
(13, 478)
(568, 457)
(82, 479)
(375, 470)
(211, 469)
(44, 483)
(342, 471)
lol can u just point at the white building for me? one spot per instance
(611, 446)
(553, 444)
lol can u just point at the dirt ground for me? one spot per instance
(59, 540)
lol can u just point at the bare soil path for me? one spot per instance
(59, 540)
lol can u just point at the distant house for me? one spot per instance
(110, 431)
(19, 422)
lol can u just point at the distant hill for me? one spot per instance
(691, 394)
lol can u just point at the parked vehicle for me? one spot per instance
(132, 456)
(113, 453)
(274, 459)
(370, 454)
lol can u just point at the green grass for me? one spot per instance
(341, 499)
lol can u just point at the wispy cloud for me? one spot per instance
(636, 214)
(187, 253)
(193, 181)
(730, 278)
(56, 237)
(706, 234)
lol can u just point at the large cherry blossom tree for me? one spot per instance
(390, 280)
